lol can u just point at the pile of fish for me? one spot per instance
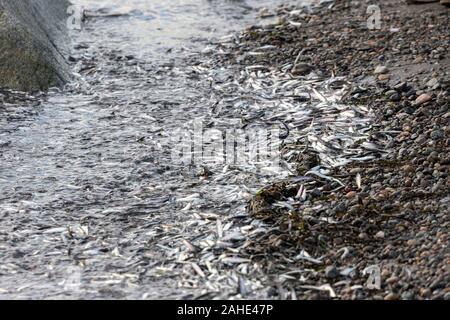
(313, 120)
(310, 108)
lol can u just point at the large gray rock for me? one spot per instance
(33, 44)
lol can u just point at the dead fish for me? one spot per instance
(189, 246)
(235, 260)
(191, 197)
(325, 287)
(295, 24)
(371, 146)
(198, 270)
(242, 287)
(55, 230)
(320, 175)
(303, 255)
(320, 96)
(358, 181)
(219, 229)
(301, 194)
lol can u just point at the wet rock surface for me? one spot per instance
(33, 44)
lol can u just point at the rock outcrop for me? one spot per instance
(33, 44)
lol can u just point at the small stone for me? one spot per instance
(401, 86)
(411, 94)
(392, 280)
(423, 98)
(351, 195)
(437, 284)
(391, 296)
(384, 77)
(395, 97)
(423, 292)
(302, 69)
(408, 168)
(407, 295)
(389, 93)
(316, 193)
(432, 83)
(381, 70)
(341, 208)
(418, 59)
(379, 235)
(385, 273)
(363, 236)
(437, 134)
(408, 182)
(331, 272)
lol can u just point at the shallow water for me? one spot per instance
(149, 28)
